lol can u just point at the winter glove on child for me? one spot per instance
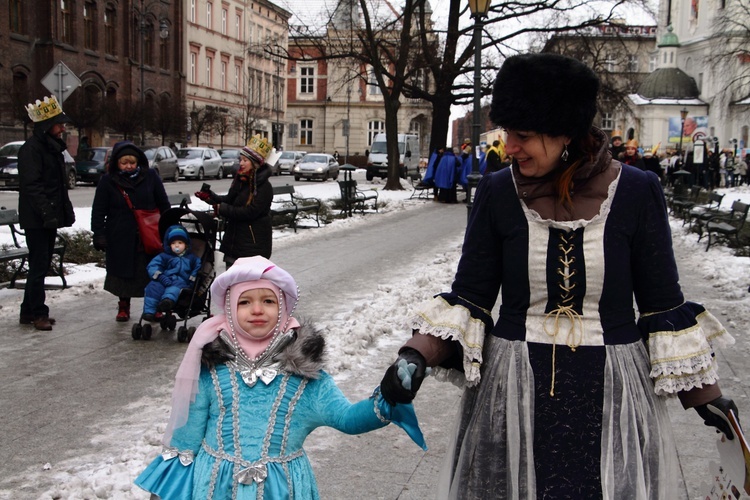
(404, 377)
(712, 419)
(164, 280)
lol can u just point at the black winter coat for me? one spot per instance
(43, 191)
(113, 222)
(248, 227)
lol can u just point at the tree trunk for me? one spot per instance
(391, 136)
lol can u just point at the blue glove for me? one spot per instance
(164, 280)
(402, 415)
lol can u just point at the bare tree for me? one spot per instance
(201, 120)
(222, 125)
(730, 50)
(168, 119)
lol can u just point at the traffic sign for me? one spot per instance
(61, 81)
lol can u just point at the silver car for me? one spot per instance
(164, 161)
(317, 166)
(200, 163)
(287, 161)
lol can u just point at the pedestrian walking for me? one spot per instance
(43, 202)
(565, 394)
(249, 391)
(246, 208)
(114, 226)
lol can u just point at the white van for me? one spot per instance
(408, 159)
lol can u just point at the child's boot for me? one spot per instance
(165, 305)
(123, 310)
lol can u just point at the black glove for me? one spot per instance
(712, 419)
(399, 374)
(50, 223)
(100, 243)
(164, 280)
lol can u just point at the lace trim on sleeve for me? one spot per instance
(439, 318)
(683, 359)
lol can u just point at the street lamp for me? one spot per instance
(683, 115)
(277, 60)
(143, 28)
(479, 9)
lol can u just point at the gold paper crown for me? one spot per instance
(44, 110)
(260, 145)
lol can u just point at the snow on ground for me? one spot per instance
(125, 444)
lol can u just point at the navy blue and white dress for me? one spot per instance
(565, 393)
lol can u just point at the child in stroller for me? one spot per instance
(172, 270)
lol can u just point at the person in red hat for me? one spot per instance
(43, 202)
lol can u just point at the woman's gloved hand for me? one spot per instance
(100, 243)
(404, 377)
(710, 418)
(207, 196)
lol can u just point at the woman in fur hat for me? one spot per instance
(246, 208)
(114, 226)
(249, 390)
(564, 394)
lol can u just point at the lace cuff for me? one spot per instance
(454, 322)
(681, 344)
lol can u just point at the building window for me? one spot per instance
(67, 7)
(16, 16)
(307, 80)
(250, 32)
(148, 45)
(110, 21)
(163, 53)
(632, 63)
(89, 25)
(372, 83)
(237, 73)
(305, 131)
(250, 81)
(223, 21)
(238, 27)
(609, 63)
(192, 11)
(209, 64)
(223, 75)
(268, 102)
(653, 60)
(193, 67)
(608, 122)
(209, 10)
(374, 128)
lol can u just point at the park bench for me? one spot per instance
(704, 211)
(288, 208)
(680, 205)
(422, 191)
(17, 252)
(727, 227)
(181, 200)
(353, 198)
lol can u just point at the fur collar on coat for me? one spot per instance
(304, 357)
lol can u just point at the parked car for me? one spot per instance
(230, 161)
(317, 166)
(287, 161)
(200, 163)
(9, 166)
(164, 161)
(91, 164)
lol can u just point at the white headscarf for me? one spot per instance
(245, 270)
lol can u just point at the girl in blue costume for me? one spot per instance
(248, 392)
(565, 394)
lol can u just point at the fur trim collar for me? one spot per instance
(305, 356)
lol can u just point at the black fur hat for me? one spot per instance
(545, 93)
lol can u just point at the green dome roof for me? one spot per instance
(670, 83)
(669, 39)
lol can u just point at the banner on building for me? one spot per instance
(696, 127)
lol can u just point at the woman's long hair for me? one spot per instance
(580, 151)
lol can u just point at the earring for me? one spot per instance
(564, 155)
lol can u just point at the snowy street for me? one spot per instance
(84, 406)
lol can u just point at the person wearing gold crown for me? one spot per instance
(43, 202)
(246, 208)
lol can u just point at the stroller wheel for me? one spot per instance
(147, 331)
(172, 323)
(136, 331)
(182, 334)
(190, 333)
(164, 323)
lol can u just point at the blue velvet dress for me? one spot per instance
(245, 442)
